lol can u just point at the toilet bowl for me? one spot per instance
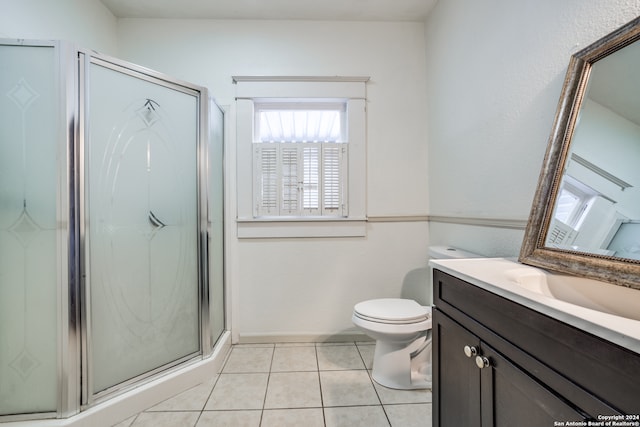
(402, 330)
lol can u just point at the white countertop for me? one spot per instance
(489, 274)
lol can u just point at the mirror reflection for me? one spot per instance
(597, 206)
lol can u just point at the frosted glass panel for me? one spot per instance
(29, 269)
(142, 225)
(216, 236)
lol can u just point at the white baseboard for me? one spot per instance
(302, 338)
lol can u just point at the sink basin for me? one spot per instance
(609, 311)
(587, 293)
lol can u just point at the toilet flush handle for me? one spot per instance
(470, 351)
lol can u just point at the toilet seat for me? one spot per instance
(392, 311)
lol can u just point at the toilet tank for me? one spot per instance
(417, 284)
(447, 252)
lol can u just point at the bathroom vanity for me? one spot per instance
(505, 353)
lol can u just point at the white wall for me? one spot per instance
(84, 22)
(307, 287)
(480, 82)
(495, 70)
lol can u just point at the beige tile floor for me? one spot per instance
(281, 385)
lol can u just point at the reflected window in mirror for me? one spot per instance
(573, 202)
(584, 219)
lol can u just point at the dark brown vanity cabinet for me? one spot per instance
(478, 386)
(498, 363)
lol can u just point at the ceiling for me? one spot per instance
(318, 10)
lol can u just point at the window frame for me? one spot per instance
(350, 89)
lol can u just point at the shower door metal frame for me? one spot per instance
(85, 59)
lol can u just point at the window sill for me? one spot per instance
(261, 228)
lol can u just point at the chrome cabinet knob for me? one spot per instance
(470, 351)
(482, 362)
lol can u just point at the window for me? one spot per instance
(300, 159)
(573, 202)
(301, 156)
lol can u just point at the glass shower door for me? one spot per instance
(141, 216)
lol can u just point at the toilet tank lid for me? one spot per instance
(446, 252)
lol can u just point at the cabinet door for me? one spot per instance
(511, 397)
(456, 391)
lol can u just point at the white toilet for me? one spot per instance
(402, 330)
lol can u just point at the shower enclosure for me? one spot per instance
(110, 228)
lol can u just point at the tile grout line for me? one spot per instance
(266, 390)
(211, 391)
(315, 351)
(375, 390)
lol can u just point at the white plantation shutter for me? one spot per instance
(289, 180)
(300, 179)
(311, 179)
(334, 173)
(266, 163)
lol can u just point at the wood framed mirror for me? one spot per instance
(585, 218)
